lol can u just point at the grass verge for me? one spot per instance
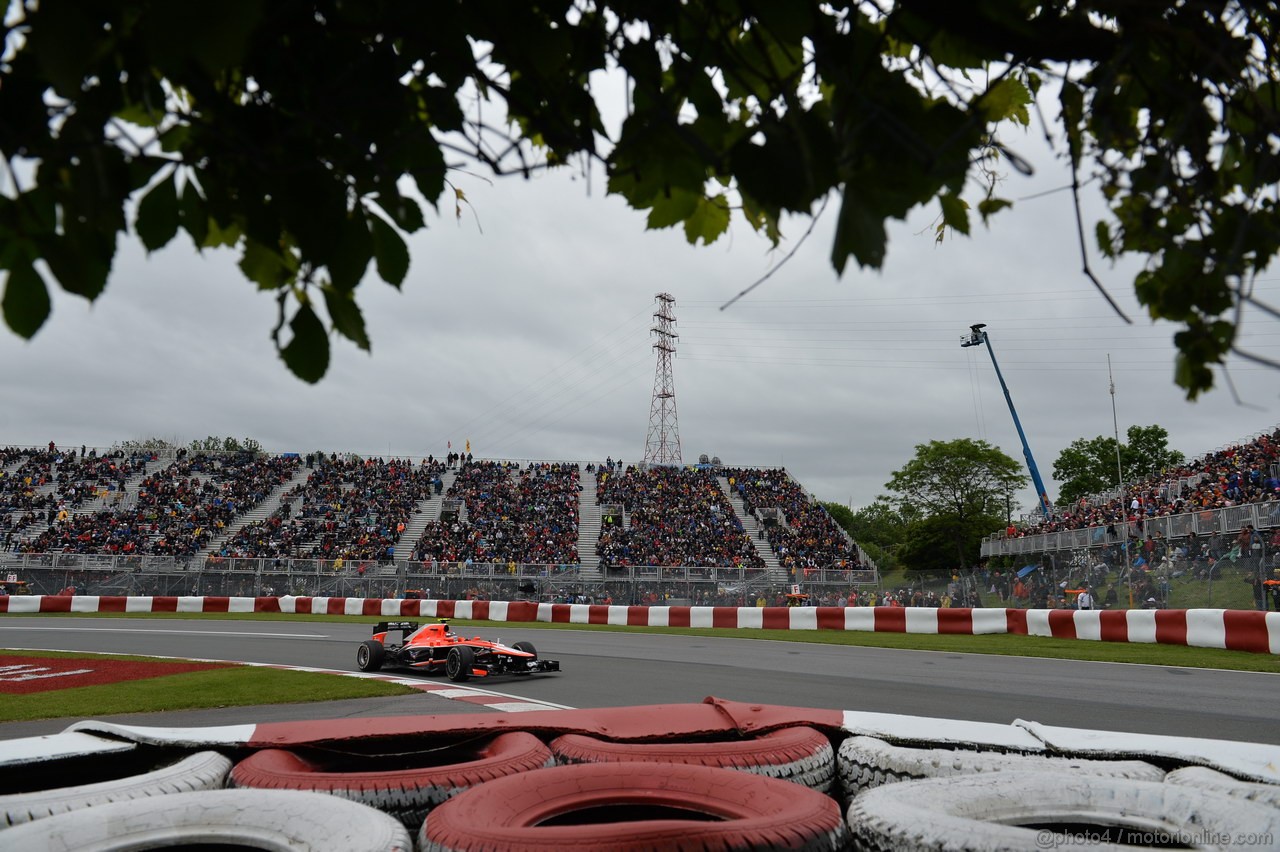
(238, 686)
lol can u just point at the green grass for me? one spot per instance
(237, 686)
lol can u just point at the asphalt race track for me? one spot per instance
(614, 669)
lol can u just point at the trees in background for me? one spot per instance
(951, 494)
(1088, 467)
(309, 134)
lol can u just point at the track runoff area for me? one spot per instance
(715, 774)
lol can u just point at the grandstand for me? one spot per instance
(117, 522)
(1214, 519)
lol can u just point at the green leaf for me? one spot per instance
(307, 354)
(1105, 244)
(349, 257)
(265, 266)
(157, 221)
(346, 316)
(26, 300)
(389, 251)
(708, 221)
(672, 208)
(859, 232)
(80, 259)
(988, 207)
(218, 236)
(194, 215)
(175, 137)
(955, 212)
(405, 212)
(1007, 99)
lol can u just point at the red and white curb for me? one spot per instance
(1237, 630)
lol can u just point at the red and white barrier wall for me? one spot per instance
(1237, 630)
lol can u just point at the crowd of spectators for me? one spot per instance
(21, 489)
(1240, 474)
(678, 517)
(93, 475)
(808, 539)
(513, 516)
(348, 510)
(178, 509)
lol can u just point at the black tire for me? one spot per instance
(1028, 810)
(216, 819)
(799, 754)
(527, 647)
(369, 655)
(407, 793)
(205, 770)
(867, 762)
(625, 807)
(459, 663)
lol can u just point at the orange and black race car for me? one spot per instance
(434, 648)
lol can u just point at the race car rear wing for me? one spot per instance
(386, 626)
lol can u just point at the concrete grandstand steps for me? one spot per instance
(588, 526)
(117, 500)
(260, 512)
(427, 511)
(773, 568)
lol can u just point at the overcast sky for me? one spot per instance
(524, 328)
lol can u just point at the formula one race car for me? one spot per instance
(433, 648)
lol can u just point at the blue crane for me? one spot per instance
(977, 337)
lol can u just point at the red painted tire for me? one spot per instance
(622, 807)
(801, 755)
(385, 783)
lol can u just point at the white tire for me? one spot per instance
(1018, 811)
(867, 762)
(271, 820)
(206, 770)
(1210, 779)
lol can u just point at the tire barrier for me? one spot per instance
(1204, 778)
(1237, 630)
(801, 755)
(206, 770)
(634, 806)
(217, 819)
(334, 756)
(713, 718)
(1038, 810)
(867, 762)
(407, 793)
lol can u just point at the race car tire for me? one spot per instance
(1210, 779)
(800, 754)
(370, 654)
(459, 663)
(276, 820)
(527, 647)
(867, 762)
(205, 770)
(634, 806)
(1035, 810)
(409, 793)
